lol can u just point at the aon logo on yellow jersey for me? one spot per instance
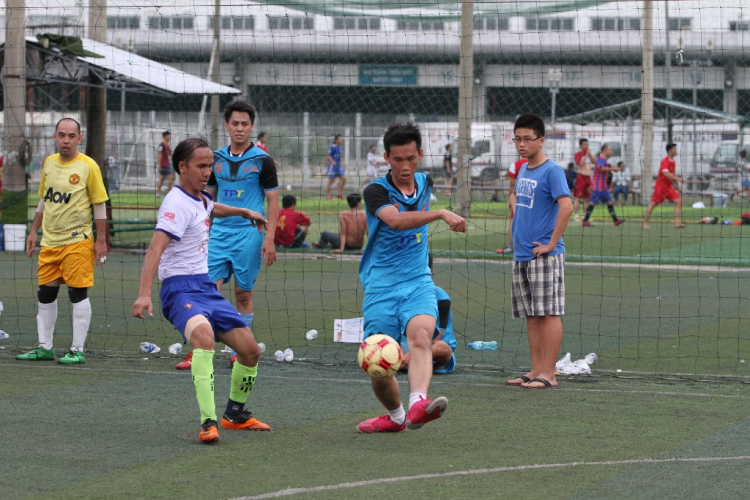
(57, 196)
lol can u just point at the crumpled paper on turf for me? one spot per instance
(567, 367)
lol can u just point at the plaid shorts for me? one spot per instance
(539, 287)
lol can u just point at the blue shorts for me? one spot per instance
(600, 196)
(389, 312)
(334, 171)
(746, 183)
(183, 297)
(449, 367)
(235, 251)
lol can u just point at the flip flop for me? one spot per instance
(522, 377)
(547, 384)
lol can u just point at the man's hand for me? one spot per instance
(337, 250)
(455, 221)
(404, 362)
(255, 218)
(31, 243)
(268, 252)
(142, 303)
(540, 249)
(100, 250)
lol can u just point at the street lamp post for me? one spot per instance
(554, 76)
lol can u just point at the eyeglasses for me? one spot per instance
(522, 140)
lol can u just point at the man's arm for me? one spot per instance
(159, 243)
(342, 234)
(268, 250)
(672, 177)
(404, 221)
(100, 245)
(255, 218)
(31, 240)
(563, 216)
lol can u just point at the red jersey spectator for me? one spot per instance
(512, 175)
(291, 230)
(262, 138)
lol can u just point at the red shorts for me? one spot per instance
(662, 193)
(583, 187)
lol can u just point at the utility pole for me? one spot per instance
(465, 101)
(96, 97)
(15, 195)
(215, 77)
(668, 72)
(647, 101)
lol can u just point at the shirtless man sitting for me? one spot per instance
(352, 227)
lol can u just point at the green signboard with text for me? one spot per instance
(387, 76)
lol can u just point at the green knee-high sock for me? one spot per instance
(202, 370)
(243, 378)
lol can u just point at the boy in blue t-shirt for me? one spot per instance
(542, 207)
(334, 168)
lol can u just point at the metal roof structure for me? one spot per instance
(445, 10)
(116, 69)
(629, 108)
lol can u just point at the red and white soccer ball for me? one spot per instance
(379, 356)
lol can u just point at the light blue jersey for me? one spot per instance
(242, 181)
(392, 258)
(234, 245)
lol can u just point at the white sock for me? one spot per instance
(45, 323)
(398, 415)
(415, 396)
(81, 321)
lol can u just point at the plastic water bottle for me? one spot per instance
(262, 346)
(288, 355)
(3, 335)
(279, 355)
(311, 335)
(175, 348)
(590, 358)
(483, 346)
(148, 347)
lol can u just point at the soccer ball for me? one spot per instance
(379, 356)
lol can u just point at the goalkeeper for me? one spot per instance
(190, 300)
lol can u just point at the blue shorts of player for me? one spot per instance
(746, 183)
(389, 312)
(235, 251)
(600, 197)
(449, 367)
(334, 171)
(183, 297)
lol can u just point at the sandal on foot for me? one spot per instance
(518, 384)
(546, 384)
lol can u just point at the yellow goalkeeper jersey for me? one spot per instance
(68, 190)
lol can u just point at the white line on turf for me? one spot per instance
(367, 381)
(356, 484)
